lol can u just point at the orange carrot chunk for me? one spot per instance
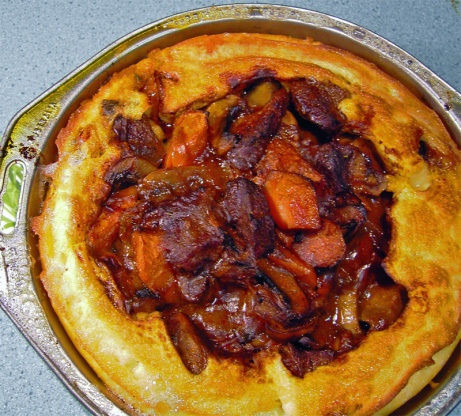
(292, 201)
(153, 269)
(323, 248)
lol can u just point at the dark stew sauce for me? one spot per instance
(255, 224)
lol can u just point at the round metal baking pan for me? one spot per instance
(29, 143)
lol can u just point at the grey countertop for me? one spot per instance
(42, 41)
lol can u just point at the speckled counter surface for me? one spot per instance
(42, 41)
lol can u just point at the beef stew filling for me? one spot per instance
(254, 225)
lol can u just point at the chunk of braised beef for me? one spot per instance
(128, 171)
(344, 209)
(140, 138)
(255, 130)
(331, 160)
(274, 308)
(248, 213)
(167, 184)
(237, 263)
(193, 288)
(300, 362)
(362, 177)
(346, 168)
(192, 237)
(317, 103)
(187, 341)
(229, 322)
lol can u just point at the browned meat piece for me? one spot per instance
(230, 323)
(187, 342)
(362, 177)
(140, 138)
(346, 170)
(344, 209)
(237, 263)
(128, 171)
(193, 288)
(331, 161)
(345, 167)
(317, 103)
(191, 235)
(300, 362)
(283, 156)
(248, 212)
(323, 248)
(254, 131)
(166, 184)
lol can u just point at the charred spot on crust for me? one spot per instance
(109, 107)
(261, 240)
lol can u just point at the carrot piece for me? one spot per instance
(292, 201)
(105, 230)
(188, 140)
(323, 248)
(153, 269)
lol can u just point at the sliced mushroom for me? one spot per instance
(187, 342)
(188, 140)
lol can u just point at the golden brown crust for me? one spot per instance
(136, 358)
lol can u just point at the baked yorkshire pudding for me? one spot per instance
(253, 224)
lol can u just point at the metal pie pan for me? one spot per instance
(29, 142)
